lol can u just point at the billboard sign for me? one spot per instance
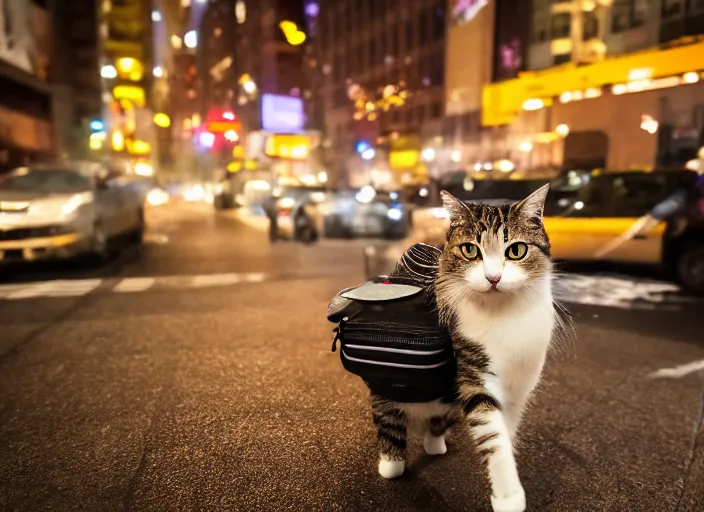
(282, 114)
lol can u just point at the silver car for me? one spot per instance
(62, 211)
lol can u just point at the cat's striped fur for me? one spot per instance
(501, 333)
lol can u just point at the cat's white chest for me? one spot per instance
(516, 341)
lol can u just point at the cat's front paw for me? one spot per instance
(434, 445)
(514, 502)
(391, 468)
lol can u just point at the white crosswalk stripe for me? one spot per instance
(134, 284)
(61, 288)
(79, 287)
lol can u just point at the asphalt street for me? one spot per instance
(196, 374)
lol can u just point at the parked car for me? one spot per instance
(61, 210)
(612, 203)
(366, 212)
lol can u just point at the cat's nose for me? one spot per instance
(494, 280)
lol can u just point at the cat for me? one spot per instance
(493, 293)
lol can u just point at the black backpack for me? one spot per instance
(389, 332)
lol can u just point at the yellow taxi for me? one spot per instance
(615, 217)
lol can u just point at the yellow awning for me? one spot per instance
(502, 102)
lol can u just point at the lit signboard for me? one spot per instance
(282, 114)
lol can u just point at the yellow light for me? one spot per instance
(404, 159)
(562, 130)
(369, 106)
(143, 169)
(293, 35)
(140, 147)
(176, 42)
(118, 141)
(505, 165)
(299, 152)
(640, 73)
(287, 146)
(592, 92)
(234, 167)
(533, 104)
(308, 179)
(195, 119)
(372, 116)
(238, 152)
(566, 97)
(619, 89)
(96, 141)
(691, 77)
(648, 124)
(126, 64)
(162, 120)
(130, 92)
(130, 68)
(526, 146)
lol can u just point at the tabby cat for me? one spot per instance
(493, 291)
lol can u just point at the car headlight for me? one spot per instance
(76, 201)
(287, 202)
(394, 214)
(157, 197)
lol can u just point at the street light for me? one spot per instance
(190, 39)
(428, 154)
(368, 154)
(158, 71)
(249, 87)
(108, 71)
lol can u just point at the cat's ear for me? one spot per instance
(457, 209)
(532, 207)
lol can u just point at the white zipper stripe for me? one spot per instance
(395, 350)
(396, 365)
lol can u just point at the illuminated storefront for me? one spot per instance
(593, 115)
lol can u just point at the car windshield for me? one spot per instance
(630, 194)
(54, 181)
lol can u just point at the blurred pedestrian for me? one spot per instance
(271, 207)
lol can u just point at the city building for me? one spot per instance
(382, 91)
(74, 73)
(266, 62)
(274, 69)
(29, 106)
(613, 84)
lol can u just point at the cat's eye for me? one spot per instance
(469, 251)
(517, 251)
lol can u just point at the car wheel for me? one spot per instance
(690, 268)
